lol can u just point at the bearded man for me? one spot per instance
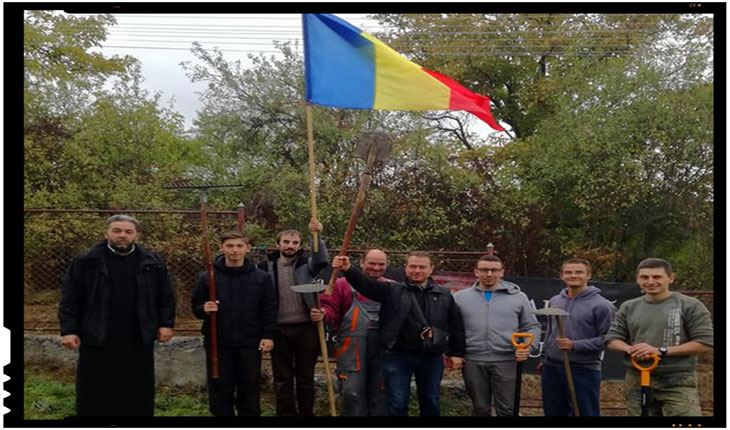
(116, 301)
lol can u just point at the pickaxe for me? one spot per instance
(316, 289)
(557, 313)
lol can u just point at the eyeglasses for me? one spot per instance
(483, 270)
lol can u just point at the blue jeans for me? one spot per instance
(398, 368)
(556, 394)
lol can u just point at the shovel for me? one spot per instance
(316, 289)
(518, 385)
(372, 147)
(557, 312)
(645, 381)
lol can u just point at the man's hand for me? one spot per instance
(164, 334)
(209, 307)
(266, 345)
(456, 362)
(565, 343)
(341, 262)
(316, 315)
(642, 351)
(71, 341)
(522, 354)
(315, 226)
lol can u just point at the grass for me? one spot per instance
(47, 399)
(49, 394)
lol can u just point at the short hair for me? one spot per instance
(234, 235)
(370, 250)
(489, 258)
(291, 232)
(576, 261)
(121, 217)
(655, 263)
(424, 254)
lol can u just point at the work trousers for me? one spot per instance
(293, 358)
(487, 380)
(239, 374)
(362, 387)
(556, 400)
(398, 368)
(671, 394)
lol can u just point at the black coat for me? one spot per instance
(398, 326)
(247, 309)
(85, 298)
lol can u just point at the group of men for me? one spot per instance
(117, 300)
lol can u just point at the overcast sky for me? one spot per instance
(162, 42)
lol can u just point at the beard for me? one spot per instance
(121, 247)
(289, 252)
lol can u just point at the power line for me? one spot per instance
(475, 53)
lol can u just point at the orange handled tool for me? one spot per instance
(527, 339)
(645, 382)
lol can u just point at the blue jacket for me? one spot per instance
(590, 318)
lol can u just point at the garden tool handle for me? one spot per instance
(529, 336)
(645, 371)
(524, 344)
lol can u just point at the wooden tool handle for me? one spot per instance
(568, 373)
(211, 289)
(312, 191)
(325, 359)
(359, 203)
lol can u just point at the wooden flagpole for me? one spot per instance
(312, 192)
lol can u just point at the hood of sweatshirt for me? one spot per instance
(584, 295)
(504, 286)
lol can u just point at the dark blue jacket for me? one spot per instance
(590, 318)
(247, 310)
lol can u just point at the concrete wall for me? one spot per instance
(181, 361)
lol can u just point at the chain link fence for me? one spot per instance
(52, 238)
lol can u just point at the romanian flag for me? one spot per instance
(348, 68)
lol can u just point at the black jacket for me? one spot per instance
(306, 269)
(247, 310)
(85, 298)
(399, 327)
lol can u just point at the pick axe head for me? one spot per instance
(552, 311)
(374, 139)
(309, 288)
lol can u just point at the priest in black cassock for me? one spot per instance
(116, 301)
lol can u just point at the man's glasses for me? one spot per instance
(485, 271)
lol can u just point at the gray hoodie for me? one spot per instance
(590, 318)
(489, 324)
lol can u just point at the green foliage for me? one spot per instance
(610, 154)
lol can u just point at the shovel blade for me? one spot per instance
(379, 140)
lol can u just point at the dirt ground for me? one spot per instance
(613, 400)
(613, 393)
